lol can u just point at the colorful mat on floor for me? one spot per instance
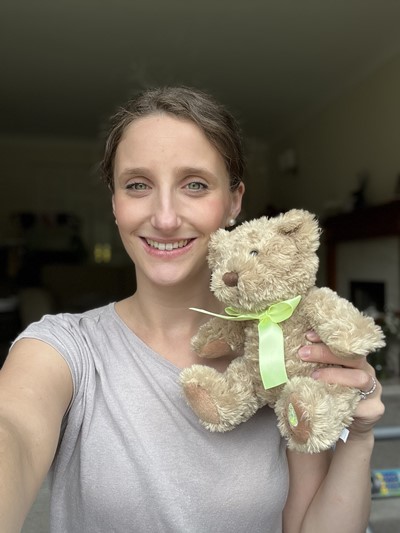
(385, 483)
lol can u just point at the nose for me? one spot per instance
(230, 279)
(165, 216)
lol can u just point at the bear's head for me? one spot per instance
(264, 260)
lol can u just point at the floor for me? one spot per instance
(385, 515)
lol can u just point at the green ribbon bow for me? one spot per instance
(270, 337)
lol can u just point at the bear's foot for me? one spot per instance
(201, 402)
(312, 414)
(221, 401)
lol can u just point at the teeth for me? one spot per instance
(166, 246)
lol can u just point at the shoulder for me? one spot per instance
(60, 324)
(77, 337)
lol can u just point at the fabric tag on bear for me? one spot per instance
(344, 434)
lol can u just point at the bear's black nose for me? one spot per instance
(230, 279)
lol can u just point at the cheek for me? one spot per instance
(124, 213)
(217, 215)
(120, 217)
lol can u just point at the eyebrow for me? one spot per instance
(140, 171)
(197, 170)
(136, 171)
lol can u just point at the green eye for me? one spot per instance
(254, 252)
(137, 186)
(196, 186)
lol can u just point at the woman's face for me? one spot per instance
(171, 193)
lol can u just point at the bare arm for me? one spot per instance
(35, 391)
(331, 492)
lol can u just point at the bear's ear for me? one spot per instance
(301, 225)
(218, 241)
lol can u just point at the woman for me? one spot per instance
(96, 397)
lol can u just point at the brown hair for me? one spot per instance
(217, 123)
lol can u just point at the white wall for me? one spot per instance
(358, 132)
(376, 260)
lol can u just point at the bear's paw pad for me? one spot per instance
(202, 403)
(298, 424)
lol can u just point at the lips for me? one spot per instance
(167, 246)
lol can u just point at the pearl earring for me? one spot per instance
(231, 222)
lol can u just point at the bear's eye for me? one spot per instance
(254, 252)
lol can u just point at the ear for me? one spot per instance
(236, 202)
(291, 221)
(113, 204)
(302, 226)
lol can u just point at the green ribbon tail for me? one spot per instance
(271, 350)
(225, 317)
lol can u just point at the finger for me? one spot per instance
(320, 353)
(349, 377)
(368, 412)
(368, 392)
(312, 336)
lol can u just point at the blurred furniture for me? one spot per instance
(364, 223)
(77, 288)
(63, 288)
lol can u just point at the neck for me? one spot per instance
(166, 309)
(165, 323)
(161, 317)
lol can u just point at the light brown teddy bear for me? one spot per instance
(265, 269)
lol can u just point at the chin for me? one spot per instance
(176, 279)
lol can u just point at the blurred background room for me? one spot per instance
(315, 86)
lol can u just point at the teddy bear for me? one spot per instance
(265, 271)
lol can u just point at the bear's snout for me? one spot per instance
(230, 279)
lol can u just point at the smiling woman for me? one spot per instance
(171, 187)
(95, 396)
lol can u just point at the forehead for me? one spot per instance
(162, 126)
(166, 136)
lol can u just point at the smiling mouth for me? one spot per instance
(167, 246)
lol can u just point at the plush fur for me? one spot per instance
(259, 263)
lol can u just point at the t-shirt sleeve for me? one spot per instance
(63, 333)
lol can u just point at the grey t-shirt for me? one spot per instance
(132, 455)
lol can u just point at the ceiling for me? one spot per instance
(66, 64)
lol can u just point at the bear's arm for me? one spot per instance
(219, 337)
(339, 324)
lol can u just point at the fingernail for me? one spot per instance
(305, 352)
(311, 335)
